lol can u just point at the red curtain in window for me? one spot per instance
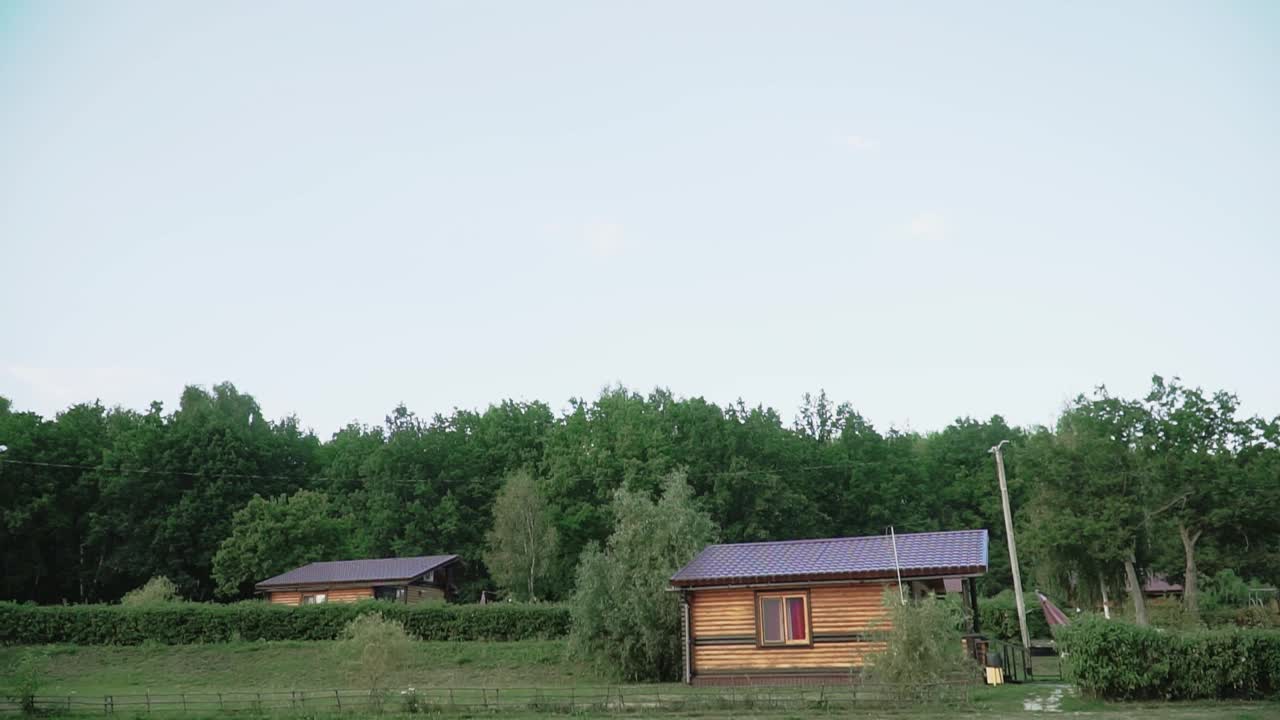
(795, 609)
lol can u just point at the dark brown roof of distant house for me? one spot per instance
(1160, 584)
(958, 552)
(354, 571)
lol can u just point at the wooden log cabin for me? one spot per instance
(806, 611)
(404, 580)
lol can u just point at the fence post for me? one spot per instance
(497, 698)
(184, 702)
(337, 698)
(221, 705)
(450, 696)
(148, 694)
(484, 698)
(570, 699)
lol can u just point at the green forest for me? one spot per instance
(214, 495)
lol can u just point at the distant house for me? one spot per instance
(802, 611)
(1158, 586)
(404, 580)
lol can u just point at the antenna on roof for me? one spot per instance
(893, 539)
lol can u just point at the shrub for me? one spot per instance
(159, 589)
(1117, 660)
(1225, 590)
(998, 616)
(923, 648)
(624, 620)
(371, 647)
(189, 622)
(26, 677)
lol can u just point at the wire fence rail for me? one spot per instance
(442, 700)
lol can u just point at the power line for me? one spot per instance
(252, 476)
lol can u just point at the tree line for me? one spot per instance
(214, 495)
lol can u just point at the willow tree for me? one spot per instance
(1089, 504)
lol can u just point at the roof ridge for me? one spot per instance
(850, 537)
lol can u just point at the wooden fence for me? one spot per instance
(619, 699)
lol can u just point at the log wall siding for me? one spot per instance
(723, 624)
(339, 595)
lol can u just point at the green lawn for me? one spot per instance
(87, 674)
(266, 666)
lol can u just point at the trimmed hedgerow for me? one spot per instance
(1117, 660)
(184, 622)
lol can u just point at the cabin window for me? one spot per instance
(783, 618)
(315, 599)
(387, 592)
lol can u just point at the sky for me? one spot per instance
(931, 210)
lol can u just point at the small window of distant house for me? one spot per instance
(314, 599)
(783, 618)
(388, 593)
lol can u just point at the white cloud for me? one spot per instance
(605, 239)
(858, 143)
(927, 226)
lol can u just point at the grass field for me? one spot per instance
(264, 666)
(92, 672)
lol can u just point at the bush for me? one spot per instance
(27, 678)
(923, 648)
(998, 616)
(158, 589)
(1117, 660)
(624, 620)
(372, 646)
(189, 622)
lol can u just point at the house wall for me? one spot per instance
(335, 595)
(424, 593)
(724, 641)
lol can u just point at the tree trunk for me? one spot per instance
(1106, 606)
(1190, 602)
(1135, 592)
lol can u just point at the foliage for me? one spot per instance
(115, 496)
(183, 623)
(156, 590)
(1225, 590)
(623, 617)
(26, 677)
(269, 537)
(998, 616)
(1117, 660)
(372, 647)
(1091, 497)
(522, 542)
(922, 647)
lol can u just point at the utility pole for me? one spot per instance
(1013, 546)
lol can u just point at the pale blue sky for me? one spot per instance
(929, 209)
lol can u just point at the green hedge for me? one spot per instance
(998, 616)
(188, 622)
(1117, 660)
